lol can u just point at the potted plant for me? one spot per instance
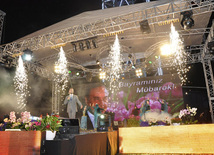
(12, 123)
(49, 124)
(176, 121)
(187, 115)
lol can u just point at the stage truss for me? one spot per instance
(2, 15)
(154, 15)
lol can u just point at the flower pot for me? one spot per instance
(50, 135)
(175, 124)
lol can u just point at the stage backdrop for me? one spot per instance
(132, 94)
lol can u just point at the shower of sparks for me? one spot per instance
(179, 54)
(115, 67)
(62, 72)
(21, 84)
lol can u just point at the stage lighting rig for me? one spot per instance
(210, 46)
(81, 46)
(187, 22)
(103, 122)
(27, 55)
(144, 26)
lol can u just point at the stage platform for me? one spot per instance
(182, 139)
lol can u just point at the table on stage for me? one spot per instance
(89, 143)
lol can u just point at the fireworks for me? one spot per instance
(179, 55)
(114, 63)
(61, 70)
(21, 84)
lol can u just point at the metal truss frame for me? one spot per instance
(131, 20)
(56, 96)
(208, 71)
(2, 14)
(115, 3)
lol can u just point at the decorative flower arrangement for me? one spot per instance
(156, 118)
(187, 115)
(51, 123)
(133, 121)
(13, 123)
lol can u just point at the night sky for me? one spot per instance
(27, 16)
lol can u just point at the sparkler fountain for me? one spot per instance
(21, 84)
(62, 71)
(179, 55)
(115, 65)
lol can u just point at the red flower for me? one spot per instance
(58, 121)
(48, 126)
(56, 115)
(40, 116)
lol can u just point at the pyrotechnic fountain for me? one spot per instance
(115, 65)
(21, 84)
(62, 71)
(179, 55)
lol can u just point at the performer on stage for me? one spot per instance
(71, 101)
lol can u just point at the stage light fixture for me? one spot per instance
(187, 22)
(103, 122)
(98, 62)
(210, 46)
(94, 43)
(74, 47)
(129, 56)
(144, 26)
(88, 45)
(138, 72)
(102, 75)
(166, 50)
(27, 55)
(102, 116)
(81, 46)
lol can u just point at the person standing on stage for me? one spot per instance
(71, 101)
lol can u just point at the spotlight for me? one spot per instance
(98, 62)
(27, 56)
(103, 122)
(138, 72)
(88, 44)
(102, 116)
(81, 46)
(144, 26)
(94, 44)
(129, 56)
(166, 49)
(102, 75)
(210, 46)
(74, 47)
(187, 22)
